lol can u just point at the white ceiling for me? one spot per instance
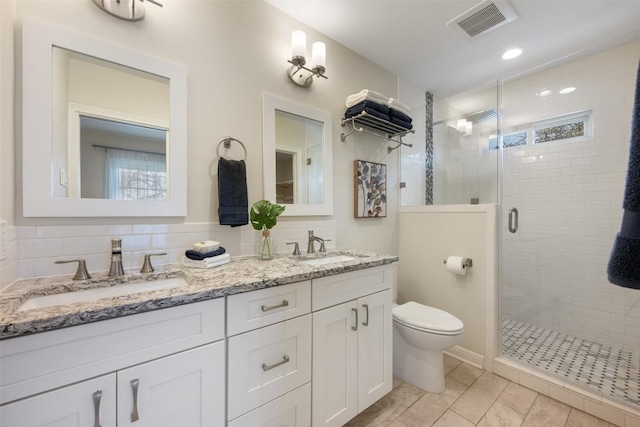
(411, 38)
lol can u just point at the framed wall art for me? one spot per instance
(370, 192)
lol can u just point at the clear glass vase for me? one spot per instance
(266, 247)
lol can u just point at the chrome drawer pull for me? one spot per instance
(284, 360)
(134, 387)
(355, 328)
(285, 303)
(97, 396)
(366, 310)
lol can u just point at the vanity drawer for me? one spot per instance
(266, 363)
(333, 290)
(44, 361)
(256, 309)
(291, 410)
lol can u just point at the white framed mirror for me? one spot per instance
(104, 128)
(297, 157)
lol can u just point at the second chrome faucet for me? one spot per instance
(311, 248)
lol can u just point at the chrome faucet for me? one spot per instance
(116, 268)
(311, 249)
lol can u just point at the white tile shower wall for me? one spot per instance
(569, 195)
(37, 247)
(412, 162)
(464, 168)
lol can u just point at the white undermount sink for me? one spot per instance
(99, 293)
(328, 260)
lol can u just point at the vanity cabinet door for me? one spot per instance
(335, 365)
(186, 389)
(88, 403)
(375, 350)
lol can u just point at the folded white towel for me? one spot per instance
(366, 94)
(397, 105)
(211, 262)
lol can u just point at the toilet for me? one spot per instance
(420, 334)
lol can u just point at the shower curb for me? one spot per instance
(601, 407)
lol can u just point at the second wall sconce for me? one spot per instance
(129, 10)
(298, 73)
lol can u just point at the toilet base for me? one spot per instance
(418, 366)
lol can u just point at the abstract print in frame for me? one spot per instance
(370, 191)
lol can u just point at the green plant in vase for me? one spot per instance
(263, 217)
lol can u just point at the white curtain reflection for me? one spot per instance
(135, 175)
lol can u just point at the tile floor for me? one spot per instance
(473, 397)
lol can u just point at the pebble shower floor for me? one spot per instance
(606, 370)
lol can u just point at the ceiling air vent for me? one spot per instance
(484, 17)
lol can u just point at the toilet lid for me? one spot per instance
(428, 318)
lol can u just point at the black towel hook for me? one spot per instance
(227, 144)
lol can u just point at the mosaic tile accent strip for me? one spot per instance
(605, 370)
(428, 144)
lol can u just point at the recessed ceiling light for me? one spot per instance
(566, 90)
(545, 92)
(511, 53)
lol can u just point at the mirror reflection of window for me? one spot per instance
(132, 102)
(122, 161)
(299, 163)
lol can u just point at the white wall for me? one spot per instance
(569, 195)
(234, 51)
(428, 235)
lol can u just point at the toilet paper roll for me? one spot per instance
(455, 265)
(206, 246)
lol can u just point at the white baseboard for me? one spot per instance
(465, 355)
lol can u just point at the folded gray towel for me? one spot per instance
(624, 266)
(233, 203)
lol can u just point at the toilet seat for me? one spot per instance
(427, 319)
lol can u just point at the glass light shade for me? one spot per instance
(461, 125)
(298, 44)
(318, 54)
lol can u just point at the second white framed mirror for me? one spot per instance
(297, 157)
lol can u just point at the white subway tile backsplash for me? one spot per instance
(109, 230)
(60, 231)
(36, 249)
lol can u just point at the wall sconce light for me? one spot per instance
(129, 10)
(298, 73)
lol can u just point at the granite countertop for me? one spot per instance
(240, 275)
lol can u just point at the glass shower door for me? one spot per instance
(563, 168)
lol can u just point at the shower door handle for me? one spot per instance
(513, 220)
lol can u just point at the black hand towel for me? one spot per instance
(199, 256)
(233, 203)
(624, 262)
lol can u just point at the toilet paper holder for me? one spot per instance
(466, 262)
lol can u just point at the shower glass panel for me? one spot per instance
(564, 158)
(454, 164)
